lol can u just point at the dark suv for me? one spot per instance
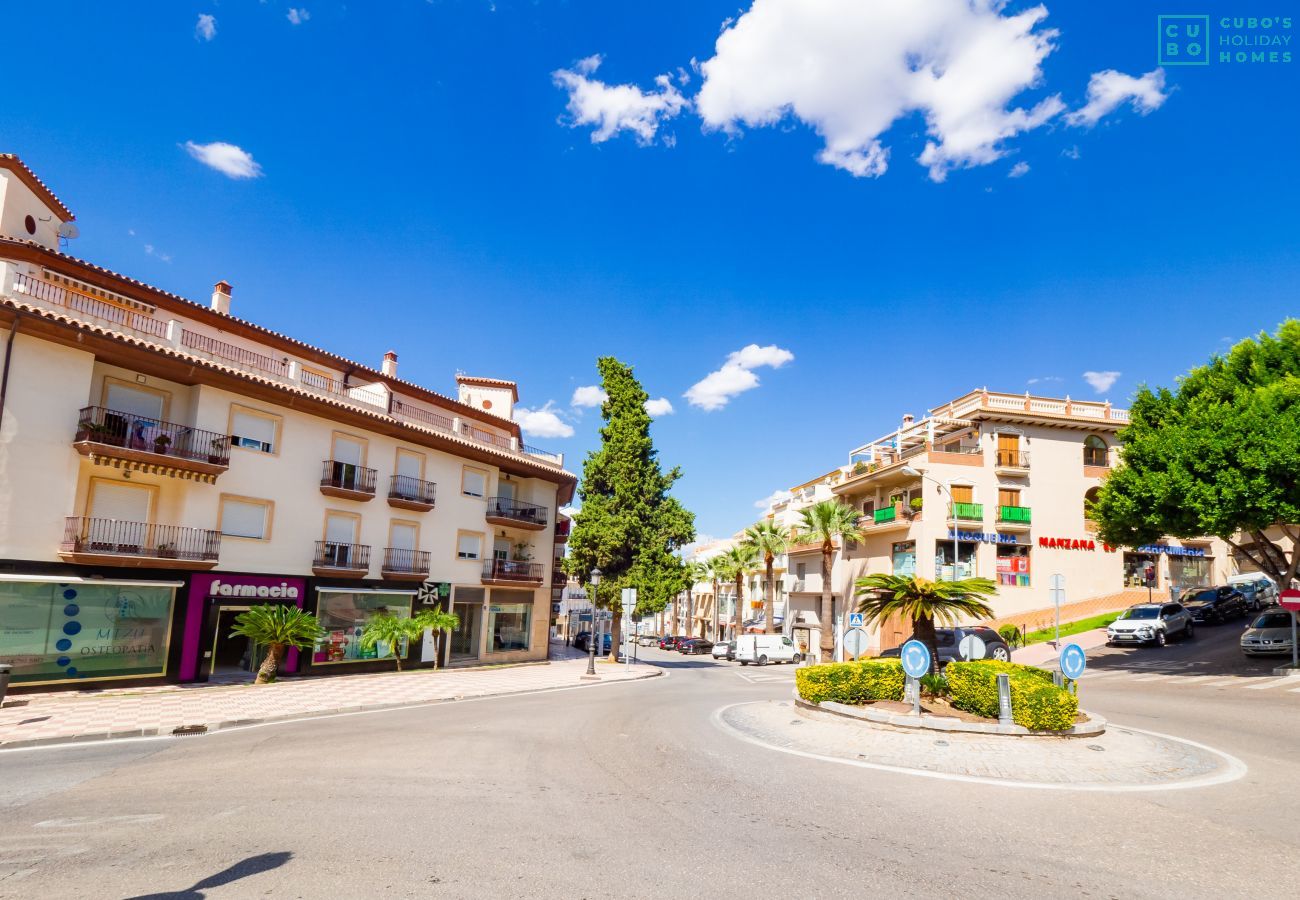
(1214, 605)
(948, 641)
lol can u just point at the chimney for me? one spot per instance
(221, 297)
(908, 419)
(390, 364)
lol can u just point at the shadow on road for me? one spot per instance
(1213, 652)
(253, 865)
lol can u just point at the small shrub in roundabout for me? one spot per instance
(852, 682)
(1036, 702)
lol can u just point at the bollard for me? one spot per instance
(1004, 699)
(912, 694)
(1058, 679)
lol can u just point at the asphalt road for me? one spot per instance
(630, 791)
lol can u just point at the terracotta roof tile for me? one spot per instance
(33, 181)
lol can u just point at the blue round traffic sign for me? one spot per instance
(1073, 661)
(916, 658)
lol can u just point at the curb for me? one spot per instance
(233, 724)
(1092, 728)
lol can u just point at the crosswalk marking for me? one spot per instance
(1164, 677)
(1263, 686)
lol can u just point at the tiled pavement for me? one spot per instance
(52, 718)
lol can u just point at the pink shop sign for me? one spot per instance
(224, 588)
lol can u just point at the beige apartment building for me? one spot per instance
(165, 464)
(991, 485)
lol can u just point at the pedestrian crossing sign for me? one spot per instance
(855, 620)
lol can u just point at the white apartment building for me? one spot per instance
(991, 485)
(165, 464)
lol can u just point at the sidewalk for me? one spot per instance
(54, 718)
(1045, 652)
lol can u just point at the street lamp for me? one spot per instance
(591, 642)
(952, 506)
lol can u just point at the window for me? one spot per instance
(404, 536)
(943, 560)
(1089, 498)
(508, 622)
(344, 614)
(254, 430)
(473, 482)
(244, 517)
(1008, 497)
(348, 449)
(904, 558)
(134, 400)
(1008, 450)
(410, 465)
(469, 545)
(341, 528)
(120, 500)
(1013, 565)
(963, 493)
(1095, 452)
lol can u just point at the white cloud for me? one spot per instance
(775, 497)
(543, 422)
(851, 69)
(736, 376)
(227, 159)
(297, 16)
(619, 107)
(1101, 381)
(1108, 89)
(1045, 379)
(1071, 152)
(588, 395)
(153, 251)
(206, 29)
(1019, 170)
(661, 407)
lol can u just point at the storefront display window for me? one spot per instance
(1134, 563)
(905, 559)
(1189, 572)
(965, 560)
(344, 614)
(53, 631)
(508, 623)
(1013, 565)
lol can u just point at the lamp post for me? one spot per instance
(591, 643)
(952, 505)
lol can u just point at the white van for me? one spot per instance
(762, 649)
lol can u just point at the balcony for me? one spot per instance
(341, 560)
(405, 565)
(967, 512)
(120, 312)
(559, 578)
(1096, 463)
(511, 513)
(407, 492)
(890, 517)
(1013, 518)
(510, 572)
(149, 445)
(1012, 462)
(113, 542)
(346, 480)
(562, 528)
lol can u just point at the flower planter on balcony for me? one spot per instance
(151, 445)
(511, 513)
(113, 542)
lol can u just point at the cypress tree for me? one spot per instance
(629, 527)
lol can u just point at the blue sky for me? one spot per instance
(422, 185)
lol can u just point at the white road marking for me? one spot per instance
(1272, 683)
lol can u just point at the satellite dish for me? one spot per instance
(69, 230)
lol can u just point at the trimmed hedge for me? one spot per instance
(1036, 702)
(852, 682)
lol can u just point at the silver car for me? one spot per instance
(1151, 623)
(1269, 633)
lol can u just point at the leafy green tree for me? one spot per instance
(629, 526)
(1217, 455)
(925, 602)
(277, 627)
(822, 523)
(769, 540)
(398, 632)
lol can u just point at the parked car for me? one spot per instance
(582, 641)
(722, 650)
(1269, 633)
(669, 641)
(1214, 605)
(692, 646)
(761, 649)
(1258, 590)
(1150, 623)
(647, 640)
(948, 642)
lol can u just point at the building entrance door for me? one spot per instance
(233, 658)
(465, 639)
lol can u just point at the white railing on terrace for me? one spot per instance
(229, 353)
(1084, 409)
(424, 417)
(55, 295)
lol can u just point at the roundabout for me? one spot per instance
(1122, 759)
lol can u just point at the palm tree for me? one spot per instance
(738, 560)
(822, 523)
(769, 540)
(715, 575)
(279, 627)
(924, 602)
(396, 630)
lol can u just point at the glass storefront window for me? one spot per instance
(943, 560)
(905, 559)
(508, 623)
(1189, 572)
(1134, 564)
(52, 631)
(344, 614)
(1013, 565)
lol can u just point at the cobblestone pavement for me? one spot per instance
(50, 718)
(1121, 759)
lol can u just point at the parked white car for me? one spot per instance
(720, 649)
(1269, 633)
(761, 649)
